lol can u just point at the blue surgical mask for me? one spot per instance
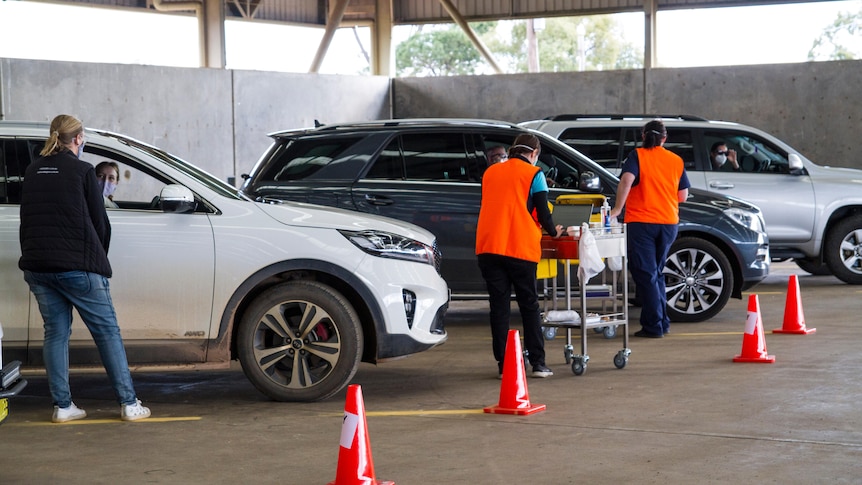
(81, 149)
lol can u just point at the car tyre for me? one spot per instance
(698, 280)
(300, 341)
(843, 250)
(813, 266)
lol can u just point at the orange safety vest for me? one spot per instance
(505, 226)
(654, 199)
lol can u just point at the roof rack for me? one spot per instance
(573, 117)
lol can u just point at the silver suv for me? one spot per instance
(813, 213)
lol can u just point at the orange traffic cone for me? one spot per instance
(753, 342)
(355, 466)
(514, 398)
(794, 319)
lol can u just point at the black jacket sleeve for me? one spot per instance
(540, 202)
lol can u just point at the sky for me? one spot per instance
(687, 38)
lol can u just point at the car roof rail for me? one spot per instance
(405, 122)
(574, 117)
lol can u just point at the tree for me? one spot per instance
(440, 52)
(447, 51)
(559, 50)
(846, 27)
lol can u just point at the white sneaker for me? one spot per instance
(71, 413)
(134, 412)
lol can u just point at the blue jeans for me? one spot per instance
(90, 294)
(648, 245)
(503, 274)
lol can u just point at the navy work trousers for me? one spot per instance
(648, 245)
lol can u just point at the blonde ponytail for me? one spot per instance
(64, 129)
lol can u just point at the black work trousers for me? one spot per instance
(503, 274)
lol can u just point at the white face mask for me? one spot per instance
(108, 188)
(720, 159)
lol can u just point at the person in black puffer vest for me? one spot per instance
(65, 234)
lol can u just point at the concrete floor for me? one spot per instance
(680, 412)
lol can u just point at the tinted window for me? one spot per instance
(600, 144)
(753, 154)
(389, 165)
(422, 157)
(309, 158)
(678, 141)
(15, 155)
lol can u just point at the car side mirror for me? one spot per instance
(794, 163)
(177, 199)
(589, 182)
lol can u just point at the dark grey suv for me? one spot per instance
(429, 172)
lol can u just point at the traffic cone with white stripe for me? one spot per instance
(355, 466)
(753, 342)
(514, 398)
(794, 319)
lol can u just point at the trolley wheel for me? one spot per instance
(610, 331)
(568, 353)
(579, 366)
(620, 359)
(549, 332)
(598, 329)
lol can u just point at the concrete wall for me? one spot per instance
(215, 119)
(814, 107)
(218, 119)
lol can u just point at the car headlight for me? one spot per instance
(751, 220)
(387, 245)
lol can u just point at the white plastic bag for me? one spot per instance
(590, 263)
(615, 263)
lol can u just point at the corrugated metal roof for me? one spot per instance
(315, 12)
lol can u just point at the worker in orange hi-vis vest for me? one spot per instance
(513, 213)
(652, 184)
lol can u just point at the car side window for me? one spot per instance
(311, 158)
(679, 141)
(15, 156)
(137, 188)
(753, 154)
(602, 145)
(435, 156)
(389, 164)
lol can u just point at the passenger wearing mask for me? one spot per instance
(108, 174)
(723, 160)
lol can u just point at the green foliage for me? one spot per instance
(447, 51)
(443, 52)
(833, 36)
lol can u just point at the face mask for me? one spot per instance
(81, 149)
(108, 188)
(720, 159)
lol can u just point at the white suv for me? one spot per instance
(300, 294)
(813, 213)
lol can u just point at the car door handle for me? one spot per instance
(721, 185)
(375, 200)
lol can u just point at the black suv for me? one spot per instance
(429, 172)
